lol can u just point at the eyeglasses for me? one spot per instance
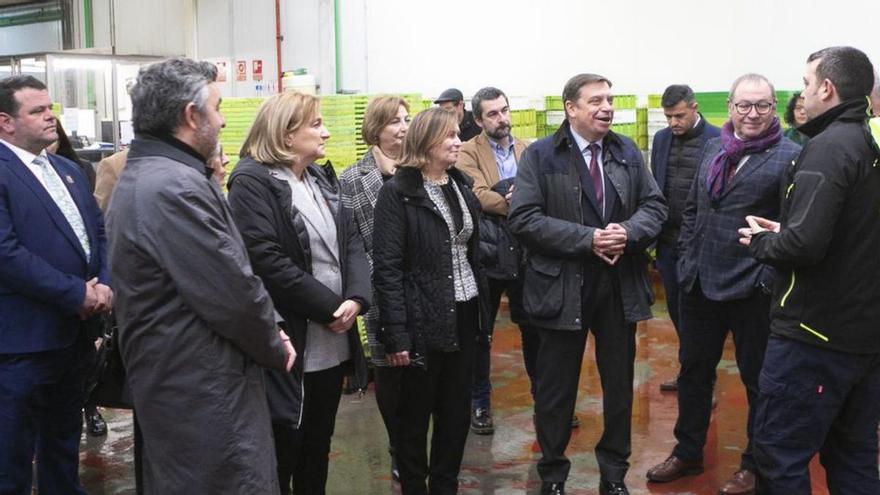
(745, 107)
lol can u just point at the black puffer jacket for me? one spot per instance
(278, 246)
(412, 266)
(500, 252)
(828, 293)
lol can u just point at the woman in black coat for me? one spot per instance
(305, 248)
(428, 287)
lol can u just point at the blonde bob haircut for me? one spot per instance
(279, 116)
(427, 130)
(380, 112)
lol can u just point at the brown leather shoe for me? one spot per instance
(674, 468)
(670, 385)
(742, 483)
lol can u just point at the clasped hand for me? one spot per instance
(99, 299)
(609, 243)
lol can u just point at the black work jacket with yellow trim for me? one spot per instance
(828, 246)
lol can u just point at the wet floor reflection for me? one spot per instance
(504, 463)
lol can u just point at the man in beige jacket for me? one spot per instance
(106, 176)
(490, 159)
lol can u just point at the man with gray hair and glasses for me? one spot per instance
(195, 323)
(723, 289)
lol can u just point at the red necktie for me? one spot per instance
(596, 175)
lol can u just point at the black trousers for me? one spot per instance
(704, 327)
(817, 400)
(667, 265)
(560, 354)
(438, 392)
(303, 454)
(481, 388)
(387, 379)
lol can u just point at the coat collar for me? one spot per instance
(853, 110)
(145, 145)
(412, 183)
(367, 163)
(611, 143)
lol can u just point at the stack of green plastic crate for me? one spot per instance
(540, 123)
(625, 122)
(656, 120)
(524, 124)
(360, 107)
(239, 114)
(642, 127)
(713, 106)
(554, 114)
(340, 118)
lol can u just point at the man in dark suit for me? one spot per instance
(53, 279)
(586, 208)
(675, 158)
(722, 287)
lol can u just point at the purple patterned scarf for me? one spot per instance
(732, 151)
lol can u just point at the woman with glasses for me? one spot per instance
(427, 283)
(385, 123)
(303, 245)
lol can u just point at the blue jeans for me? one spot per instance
(481, 386)
(817, 400)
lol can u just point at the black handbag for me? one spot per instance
(111, 389)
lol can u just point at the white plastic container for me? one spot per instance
(304, 83)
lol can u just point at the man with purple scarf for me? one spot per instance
(724, 289)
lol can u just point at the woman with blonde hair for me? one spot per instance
(303, 245)
(385, 123)
(429, 291)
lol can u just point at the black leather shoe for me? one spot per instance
(95, 424)
(481, 421)
(612, 488)
(552, 488)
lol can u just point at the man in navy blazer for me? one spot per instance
(675, 158)
(53, 279)
(723, 288)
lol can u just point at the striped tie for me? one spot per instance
(62, 198)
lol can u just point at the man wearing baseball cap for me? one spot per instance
(452, 99)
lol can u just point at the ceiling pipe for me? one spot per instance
(278, 39)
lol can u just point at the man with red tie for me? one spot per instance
(586, 208)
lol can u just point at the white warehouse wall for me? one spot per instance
(525, 47)
(153, 27)
(531, 48)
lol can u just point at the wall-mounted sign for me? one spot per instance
(221, 70)
(241, 70)
(258, 70)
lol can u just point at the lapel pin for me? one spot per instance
(69, 179)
